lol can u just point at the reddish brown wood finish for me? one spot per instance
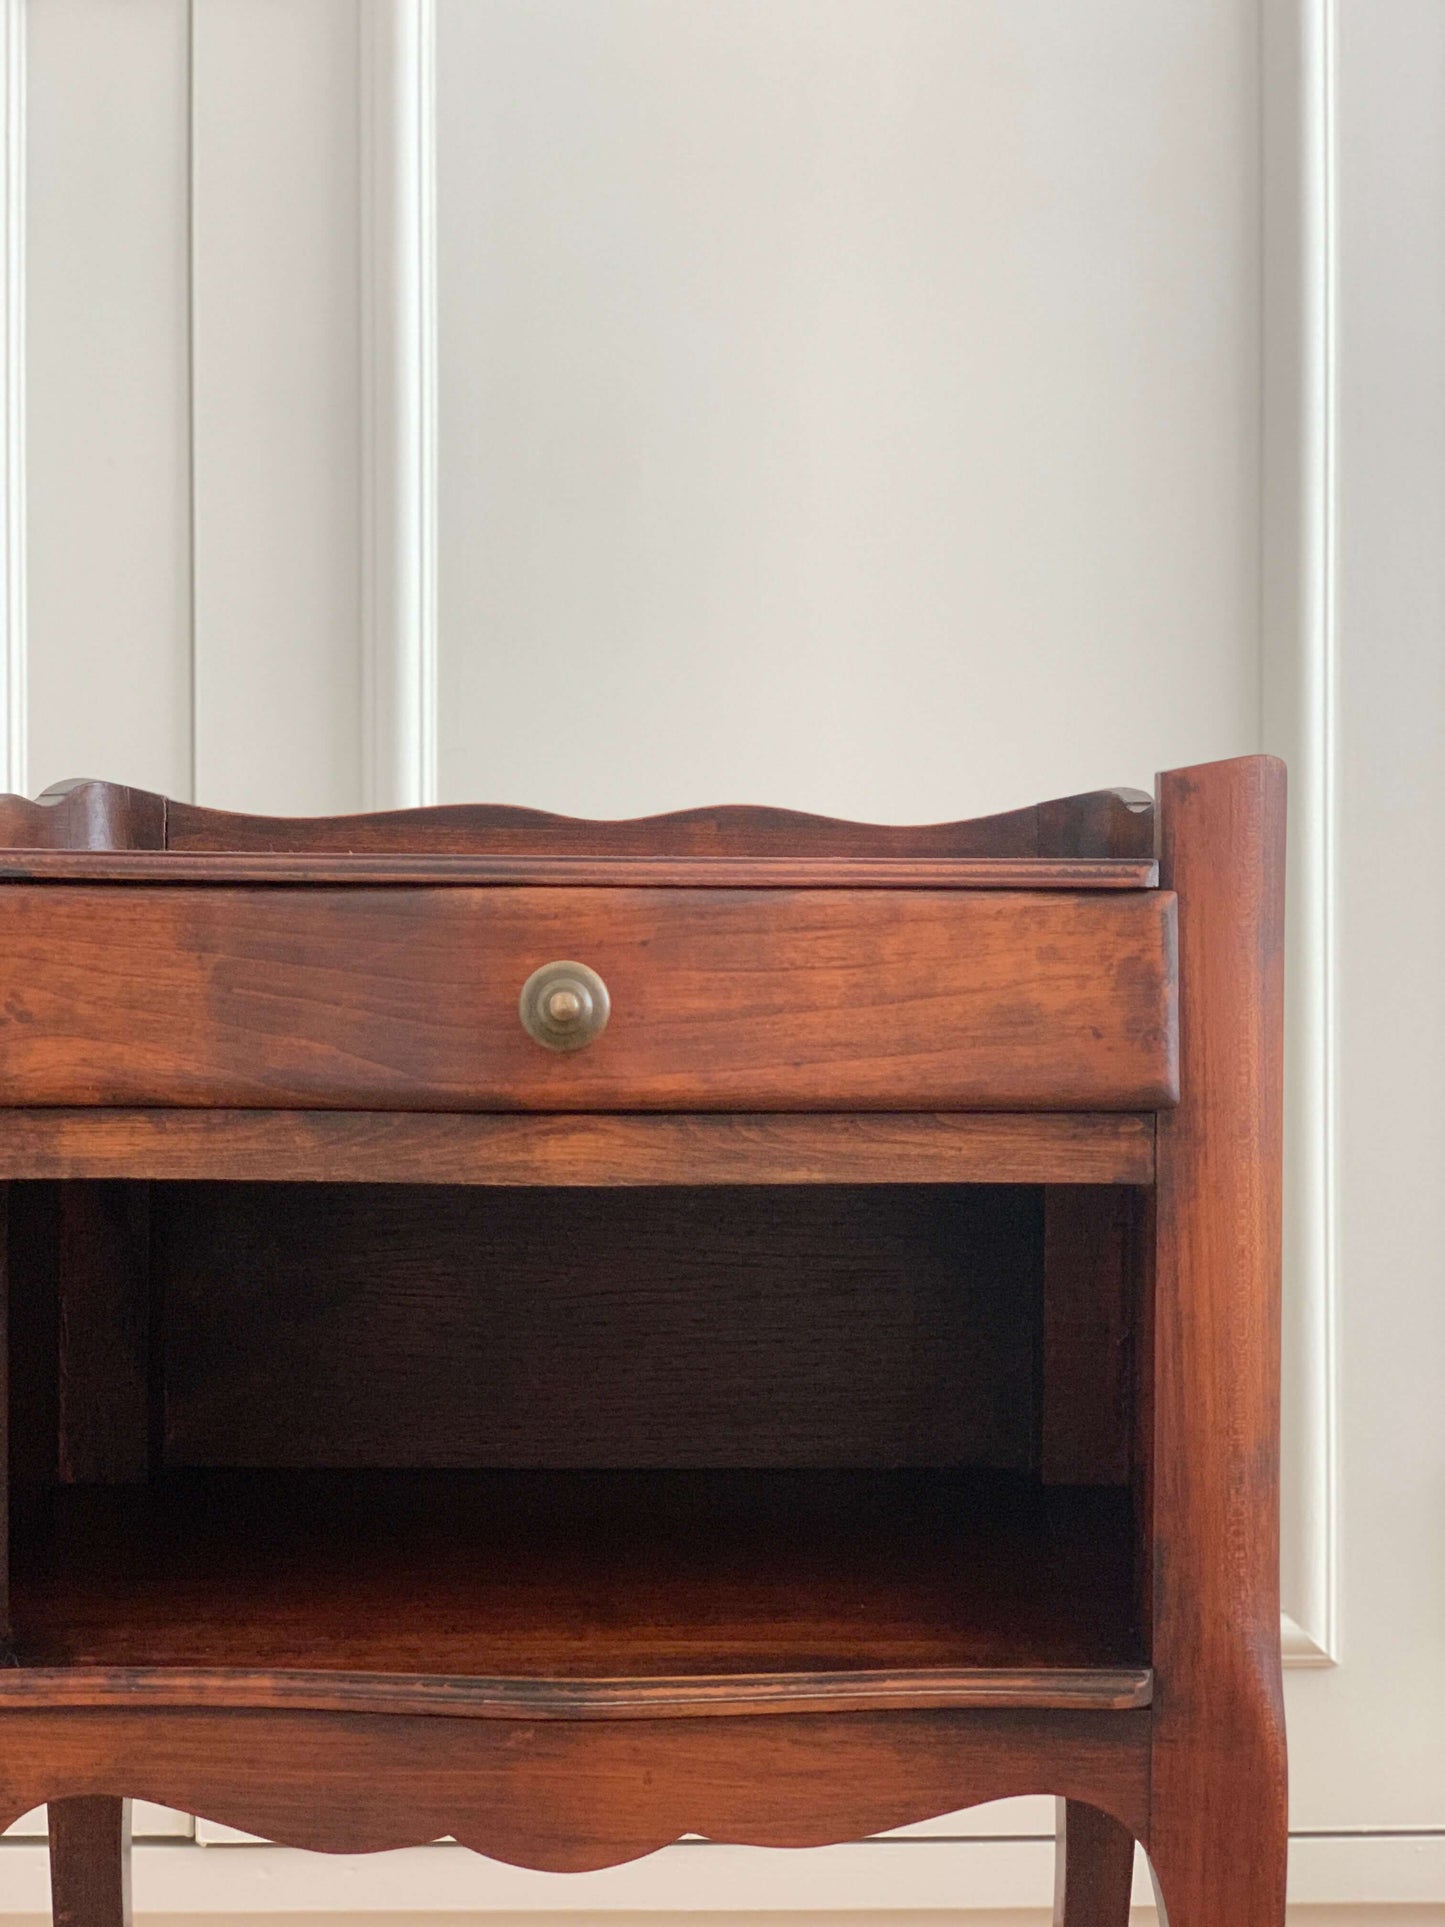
(1104, 823)
(90, 1862)
(569, 1795)
(721, 1000)
(599, 872)
(1089, 1330)
(1094, 1868)
(572, 1770)
(1218, 1821)
(82, 814)
(470, 1696)
(413, 1147)
(567, 1595)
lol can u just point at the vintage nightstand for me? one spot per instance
(568, 1333)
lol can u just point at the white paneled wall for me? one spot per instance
(1369, 1744)
(813, 372)
(275, 263)
(901, 408)
(107, 475)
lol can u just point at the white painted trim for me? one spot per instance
(968, 1879)
(1298, 577)
(14, 770)
(1301, 1647)
(399, 403)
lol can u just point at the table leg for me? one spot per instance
(90, 1862)
(1093, 1868)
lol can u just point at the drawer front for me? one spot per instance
(398, 998)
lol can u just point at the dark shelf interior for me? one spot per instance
(572, 1575)
(695, 1327)
(545, 1434)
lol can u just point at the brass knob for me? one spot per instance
(564, 1006)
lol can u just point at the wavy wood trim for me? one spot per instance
(1116, 1689)
(1104, 823)
(87, 814)
(417, 1147)
(82, 815)
(570, 1795)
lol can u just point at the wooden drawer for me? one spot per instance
(404, 998)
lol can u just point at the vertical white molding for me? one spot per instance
(1298, 576)
(193, 653)
(399, 403)
(14, 775)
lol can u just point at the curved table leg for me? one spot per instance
(1227, 1859)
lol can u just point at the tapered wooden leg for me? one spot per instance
(1093, 1868)
(90, 1862)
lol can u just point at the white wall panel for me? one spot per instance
(277, 403)
(845, 403)
(107, 325)
(1368, 1740)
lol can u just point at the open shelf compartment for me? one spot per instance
(581, 1591)
(574, 1453)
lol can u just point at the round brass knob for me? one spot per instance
(564, 1005)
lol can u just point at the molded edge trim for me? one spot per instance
(1106, 1689)
(563, 871)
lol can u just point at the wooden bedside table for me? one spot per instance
(805, 1363)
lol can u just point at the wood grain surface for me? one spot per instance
(762, 1654)
(615, 872)
(1218, 1832)
(568, 1795)
(721, 1000)
(1091, 1318)
(558, 1579)
(837, 1326)
(1093, 1868)
(79, 814)
(90, 1862)
(419, 1147)
(730, 1695)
